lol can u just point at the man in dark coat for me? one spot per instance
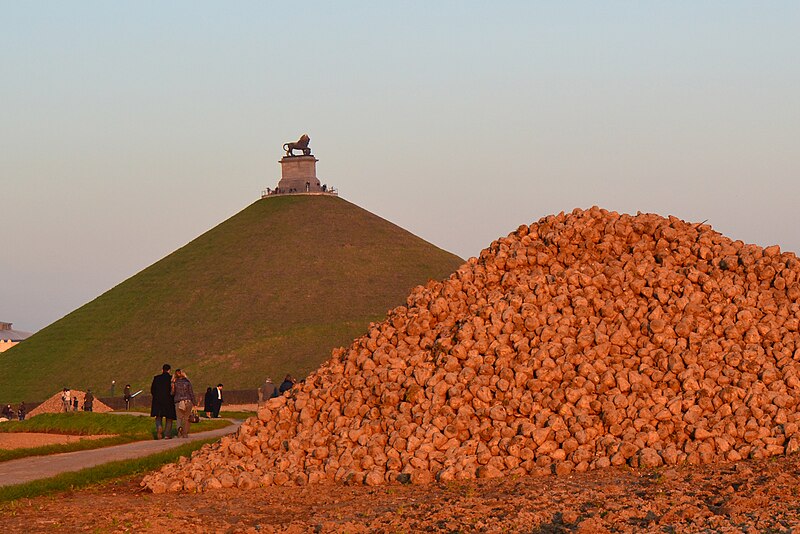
(217, 394)
(163, 405)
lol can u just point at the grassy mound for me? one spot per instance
(270, 291)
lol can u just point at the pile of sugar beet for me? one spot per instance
(582, 341)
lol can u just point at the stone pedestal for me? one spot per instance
(299, 175)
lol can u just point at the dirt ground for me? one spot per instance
(750, 496)
(17, 440)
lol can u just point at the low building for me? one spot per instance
(10, 337)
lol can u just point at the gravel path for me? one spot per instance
(39, 467)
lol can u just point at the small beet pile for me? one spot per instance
(582, 341)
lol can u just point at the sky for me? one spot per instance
(127, 129)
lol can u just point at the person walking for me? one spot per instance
(185, 400)
(22, 411)
(163, 405)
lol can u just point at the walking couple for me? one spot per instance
(173, 398)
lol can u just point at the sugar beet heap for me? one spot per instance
(581, 341)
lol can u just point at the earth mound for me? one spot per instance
(581, 341)
(274, 288)
(54, 404)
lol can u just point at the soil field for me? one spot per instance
(23, 440)
(747, 496)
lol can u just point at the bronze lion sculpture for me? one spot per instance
(300, 144)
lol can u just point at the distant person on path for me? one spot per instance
(208, 401)
(88, 401)
(65, 400)
(8, 412)
(126, 394)
(286, 385)
(217, 406)
(74, 403)
(267, 391)
(184, 401)
(22, 411)
(163, 405)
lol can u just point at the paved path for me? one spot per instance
(38, 467)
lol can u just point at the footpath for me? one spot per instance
(39, 467)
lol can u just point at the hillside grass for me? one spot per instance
(269, 292)
(120, 428)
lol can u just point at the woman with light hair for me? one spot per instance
(184, 401)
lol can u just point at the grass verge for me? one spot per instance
(82, 424)
(125, 429)
(95, 475)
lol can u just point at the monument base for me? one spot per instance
(299, 175)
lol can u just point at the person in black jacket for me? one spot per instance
(126, 394)
(208, 401)
(217, 393)
(88, 401)
(287, 384)
(163, 405)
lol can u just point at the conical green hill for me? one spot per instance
(268, 292)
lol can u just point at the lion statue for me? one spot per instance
(300, 144)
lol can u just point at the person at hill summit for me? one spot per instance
(183, 394)
(163, 405)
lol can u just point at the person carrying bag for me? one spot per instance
(184, 401)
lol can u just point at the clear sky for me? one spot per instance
(127, 129)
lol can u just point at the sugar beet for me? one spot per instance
(582, 341)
